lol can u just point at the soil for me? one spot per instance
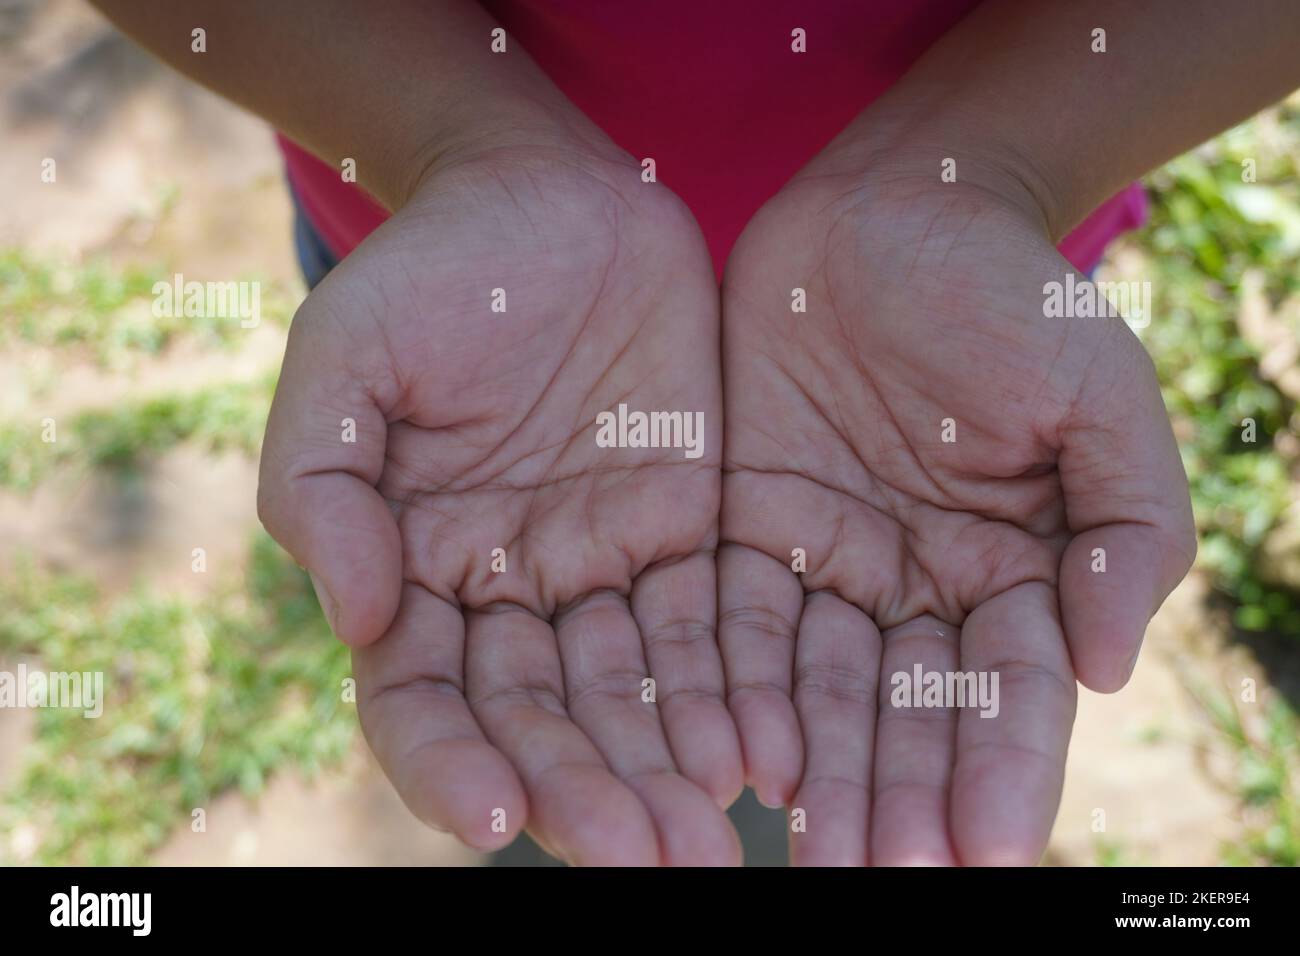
(125, 132)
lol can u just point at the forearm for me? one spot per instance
(397, 86)
(1016, 86)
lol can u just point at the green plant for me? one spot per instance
(105, 311)
(1209, 232)
(1263, 739)
(219, 417)
(199, 698)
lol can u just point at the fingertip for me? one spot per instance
(341, 530)
(726, 786)
(471, 790)
(919, 858)
(993, 849)
(723, 781)
(771, 744)
(1002, 834)
(1107, 597)
(713, 843)
(590, 818)
(358, 576)
(496, 819)
(364, 616)
(693, 831)
(828, 823)
(1110, 676)
(774, 787)
(713, 761)
(505, 823)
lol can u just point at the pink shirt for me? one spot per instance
(713, 92)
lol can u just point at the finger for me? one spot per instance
(914, 748)
(675, 606)
(1011, 747)
(604, 666)
(411, 704)
(759, 604)
(836, 673)
(1127, 504)
(515, 687)
(321, 459)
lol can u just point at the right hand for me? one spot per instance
(520, 692)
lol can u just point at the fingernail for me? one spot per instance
(327, 604)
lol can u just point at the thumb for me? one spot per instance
(321, 460)
(1127, 506)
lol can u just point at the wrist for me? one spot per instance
(519, 136)
(892, 154)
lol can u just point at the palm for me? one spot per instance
(542, 578)
(924, 323)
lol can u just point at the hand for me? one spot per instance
(520, 692)
(925, 308)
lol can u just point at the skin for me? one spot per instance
(969, 555)
(926, 305)
(475, 431)
(521, 691)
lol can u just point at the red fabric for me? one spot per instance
(713, 92)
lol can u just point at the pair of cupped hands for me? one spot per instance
(499, 701)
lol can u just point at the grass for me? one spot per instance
(201, 698)
(1209, 234)
(1114, 853)
(1213, 242)
(1262, 740)
(105, 312)
(223, 416)
(218, 694)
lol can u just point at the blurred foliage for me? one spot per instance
(217, 694)
(1264, 741)
(1211, 235)
(105, 310)
(1208, 232)
(1111, 852)
(216, 418)
(199, 698)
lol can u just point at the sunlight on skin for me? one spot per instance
(947, 458)
(513, 696)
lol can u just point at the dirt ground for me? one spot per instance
(124, 132)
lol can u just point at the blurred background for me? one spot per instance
(224, 688)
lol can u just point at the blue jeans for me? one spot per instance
(314, 257)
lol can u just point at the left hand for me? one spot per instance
(925, 303)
